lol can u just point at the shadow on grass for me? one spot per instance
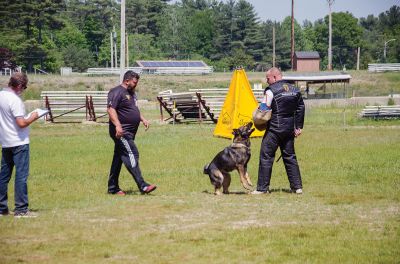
(136, 192)
(276, 190)
(285, 190)
(230, 192)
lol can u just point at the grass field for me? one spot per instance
(349, 212)
(362, 83)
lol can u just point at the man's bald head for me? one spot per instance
(273, 75)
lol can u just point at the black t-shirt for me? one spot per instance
(125, 104)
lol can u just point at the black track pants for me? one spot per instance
(269, 145)
(125, 151)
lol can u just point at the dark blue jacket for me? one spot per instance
(287, 108)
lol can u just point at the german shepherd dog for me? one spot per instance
(236, 156)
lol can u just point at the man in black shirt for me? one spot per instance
(124, 121)
(286, 123)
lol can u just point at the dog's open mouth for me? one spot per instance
(244, 132)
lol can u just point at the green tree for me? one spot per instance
(142, 47)
(70, 34)
(225, 26)
(282, 45)
(177, 38)
(389, 24)
(266, 30)
(346, 37)
(78, 58)
(249, 32)
(239, 58)
(95, 19)
(137, 17)
(370, 49)
(34, 19)
(308, 36)
(7, 59)
(142, 16)
(203, 26)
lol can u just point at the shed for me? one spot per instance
(306, 61)
(321, 85)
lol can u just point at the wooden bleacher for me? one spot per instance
(196, 104)
(381, 112)
(75, 106)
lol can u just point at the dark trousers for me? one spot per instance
(125, 151)
(269, 145)
(19, 157)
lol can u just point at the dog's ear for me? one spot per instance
(235, 132)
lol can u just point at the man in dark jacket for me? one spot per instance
(286, 123)
(125, 119)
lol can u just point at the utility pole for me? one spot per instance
(122, 55)
(115, 48)
(111, 48)
(273, 45)
(330, 3)
(358, 59)
(127, 49)
(384, 48)
(292, 37)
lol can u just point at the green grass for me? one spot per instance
(362, 83)
(349, 212)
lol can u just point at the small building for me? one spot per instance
(306, 61)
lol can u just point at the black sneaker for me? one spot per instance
(27, 214)
(5, 213)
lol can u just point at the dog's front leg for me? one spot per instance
(243, 178)
(226, 183)
(247, 174)
(248, 179)
(218, 181)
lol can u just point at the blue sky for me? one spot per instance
(315, 9)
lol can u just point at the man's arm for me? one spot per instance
(114, 119)
(22, 122)
(146, 123)
(299, 121)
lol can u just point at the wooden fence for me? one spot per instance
(383, 67)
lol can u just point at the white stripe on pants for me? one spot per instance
(130, 153)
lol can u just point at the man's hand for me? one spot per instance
(22, 122)
(297, 132)
(146, 123)
(119, 131)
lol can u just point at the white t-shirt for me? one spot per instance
(11, 107)
(267, 99)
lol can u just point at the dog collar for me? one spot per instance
(238, 145)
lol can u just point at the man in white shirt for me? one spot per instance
(14, 139)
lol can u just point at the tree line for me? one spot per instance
(49, 34)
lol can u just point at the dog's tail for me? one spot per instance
(206, 168)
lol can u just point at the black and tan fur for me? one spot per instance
(236, 156)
